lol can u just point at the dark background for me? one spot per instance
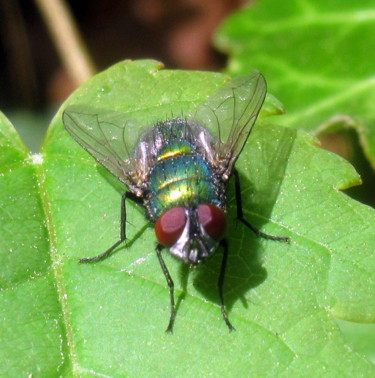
(176, 32)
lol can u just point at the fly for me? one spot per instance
(179, 171)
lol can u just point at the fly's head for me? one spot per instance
(191, 234)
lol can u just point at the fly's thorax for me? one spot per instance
(183, 180)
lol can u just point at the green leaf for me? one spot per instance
(32, 328)
(317, 57)
(64, 318)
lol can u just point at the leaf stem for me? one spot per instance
(67, 39)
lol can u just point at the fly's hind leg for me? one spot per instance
(105, 254)
(241, 218)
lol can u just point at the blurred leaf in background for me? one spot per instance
(319, 61)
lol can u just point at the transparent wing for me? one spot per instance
(230, 114)
(110, 137)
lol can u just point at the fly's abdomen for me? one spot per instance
(181, 180)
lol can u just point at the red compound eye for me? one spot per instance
(213, 220)
(170, 225)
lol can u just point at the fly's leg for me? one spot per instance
(171, 288)
(105, 254)
(243, 220)
(220, 283)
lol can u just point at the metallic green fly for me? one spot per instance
(178, 170)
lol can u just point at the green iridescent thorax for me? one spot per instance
(181, 177)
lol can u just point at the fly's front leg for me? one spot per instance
(105, 254)
(243, 220)
(171, 288)
(220, 283)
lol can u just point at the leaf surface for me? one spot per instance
(108, 318)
